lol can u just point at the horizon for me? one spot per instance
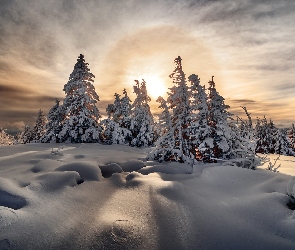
(247, 45)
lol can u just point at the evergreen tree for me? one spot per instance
(26, 135)
(114, 131)
(39, 129)
(291, 135)
(165, 145)
(81, 114)
(200, 131)
(117, 108)
(54, 125)
(5, 139)
(243, 143)
(265, 132)
(141, 124)
(218, 122)
(283, 145)
(178, 102)
(125, 110)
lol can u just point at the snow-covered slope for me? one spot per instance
(91, 196)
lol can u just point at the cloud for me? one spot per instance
(248, 46)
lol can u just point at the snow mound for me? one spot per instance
(88, 170)
(110, 169)
(172, 168)
(55, 181)
(132, 165)
(45, 166)
(11, 200)
(9, 195)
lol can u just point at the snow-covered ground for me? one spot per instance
(92, 196)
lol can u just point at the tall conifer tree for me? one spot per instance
(81, 123)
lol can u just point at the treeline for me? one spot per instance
(194, 125)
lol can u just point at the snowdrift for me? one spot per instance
(92, 196)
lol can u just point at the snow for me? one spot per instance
(93, 196)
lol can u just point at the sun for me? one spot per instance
(155, 86)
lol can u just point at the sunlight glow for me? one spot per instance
(155, 86)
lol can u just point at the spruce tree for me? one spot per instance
(54, 125)
(178, 102)
(200, 131)
(81, 123)
(113, 130)
(141, 124)
(291, 135)
(26, 135)
(283, 144)
(218, 122)
(39, 129)
(5, 139)
(125, 110)
(165, 145)
(265, 133)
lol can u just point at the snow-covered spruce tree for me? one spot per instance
(291, 135)
(178, 102)
(113, 131)
(141, 125)
(200, 131)
(125, 110)
(54, 125)
(218, 122)
(5, 139)
(39, 129)
(283, 145)
(175, 144)
(165, 144)
(243, 143)
(81, 114)
(26, 135)
(265, 134)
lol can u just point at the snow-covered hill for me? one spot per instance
(92, 196)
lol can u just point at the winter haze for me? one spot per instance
(247, 45)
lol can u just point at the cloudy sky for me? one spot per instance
(248, 45)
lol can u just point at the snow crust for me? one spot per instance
(94, 196)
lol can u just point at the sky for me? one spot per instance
(248, 45)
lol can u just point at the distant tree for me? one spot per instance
(141, 125)
(5, 139)
(218, 122)
(265, 133)
(243, 142)
(291, 135)
(39, 129)
(54, 125)
(26, 135)
(283, 145)
(81, 123)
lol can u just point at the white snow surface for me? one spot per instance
(92, 196)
